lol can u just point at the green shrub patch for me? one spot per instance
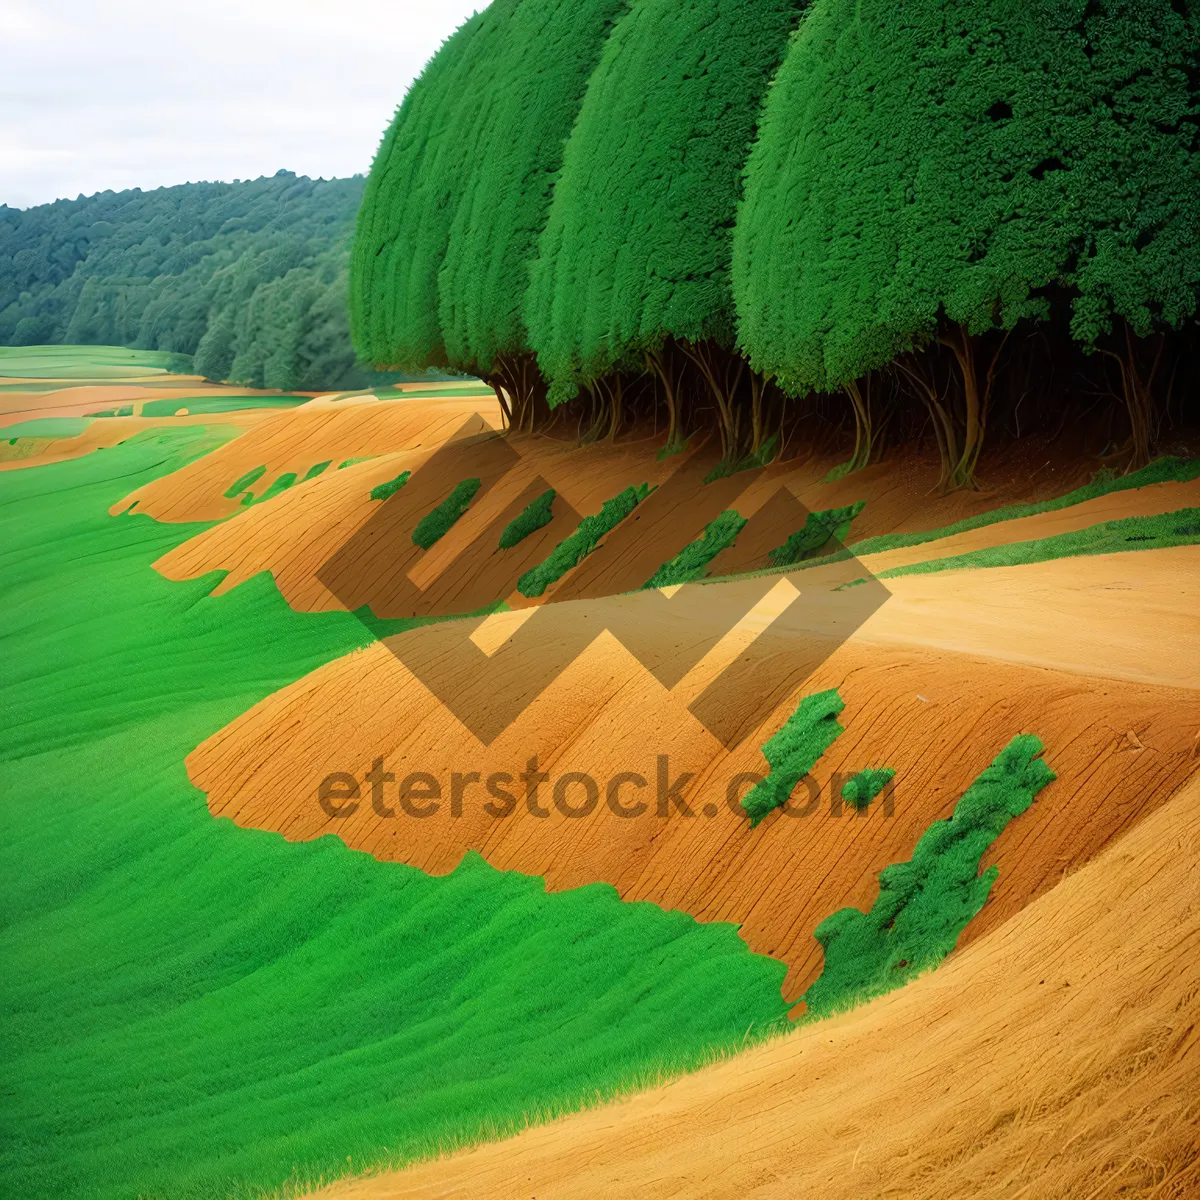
(530, 519)
(691, 561)
(384, 491)
(819, 529)
(793, 752)
(925, 903)
(574, 549)
(436, 524)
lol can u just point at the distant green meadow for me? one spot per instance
(189, 1009)
(88, 362)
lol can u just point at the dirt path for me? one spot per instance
(1058, 1057)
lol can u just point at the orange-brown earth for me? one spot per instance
(294, 440)
(1058, 1058)
(937, 714)
(85, 399)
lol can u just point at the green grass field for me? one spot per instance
(190, 1009)
(88, 362)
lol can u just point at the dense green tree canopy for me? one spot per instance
(514, 148)
(958, 157)
(248, 277)
(411, 197)
(638, 242)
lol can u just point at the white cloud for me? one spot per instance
(141, 93)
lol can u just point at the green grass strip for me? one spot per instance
(316, 469)
(793, 752)
(245, 482)
(1104, 483)
(925, 904)
(1180, 528)
(862, 787)
(818, 529)
(352, 461)
(384, 491)
(534, 516)
(434, 525)
(126, 410)
(575, 548)
(691, 561)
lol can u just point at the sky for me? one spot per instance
(98, 94)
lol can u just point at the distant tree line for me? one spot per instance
(885, 222)
(250, 278)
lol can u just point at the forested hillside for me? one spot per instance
(248, 277)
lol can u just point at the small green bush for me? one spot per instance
(819, 529)
(794, 751)
(245, 482)
(574, 549)
(383, 491)
(437, 523)
(861, 788)
(926, 903)
(691, 561)
(531, 518)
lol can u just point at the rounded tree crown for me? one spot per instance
(955, 159)
(637, 246)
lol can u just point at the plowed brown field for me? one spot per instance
(938, 716)
(296, 439)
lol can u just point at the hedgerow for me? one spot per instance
(691, 561)
(436, 523)
(970, 215)
(925, 904)
(530, 519)
(575, 548)
(793, 751)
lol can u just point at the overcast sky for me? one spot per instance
(98, 94)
